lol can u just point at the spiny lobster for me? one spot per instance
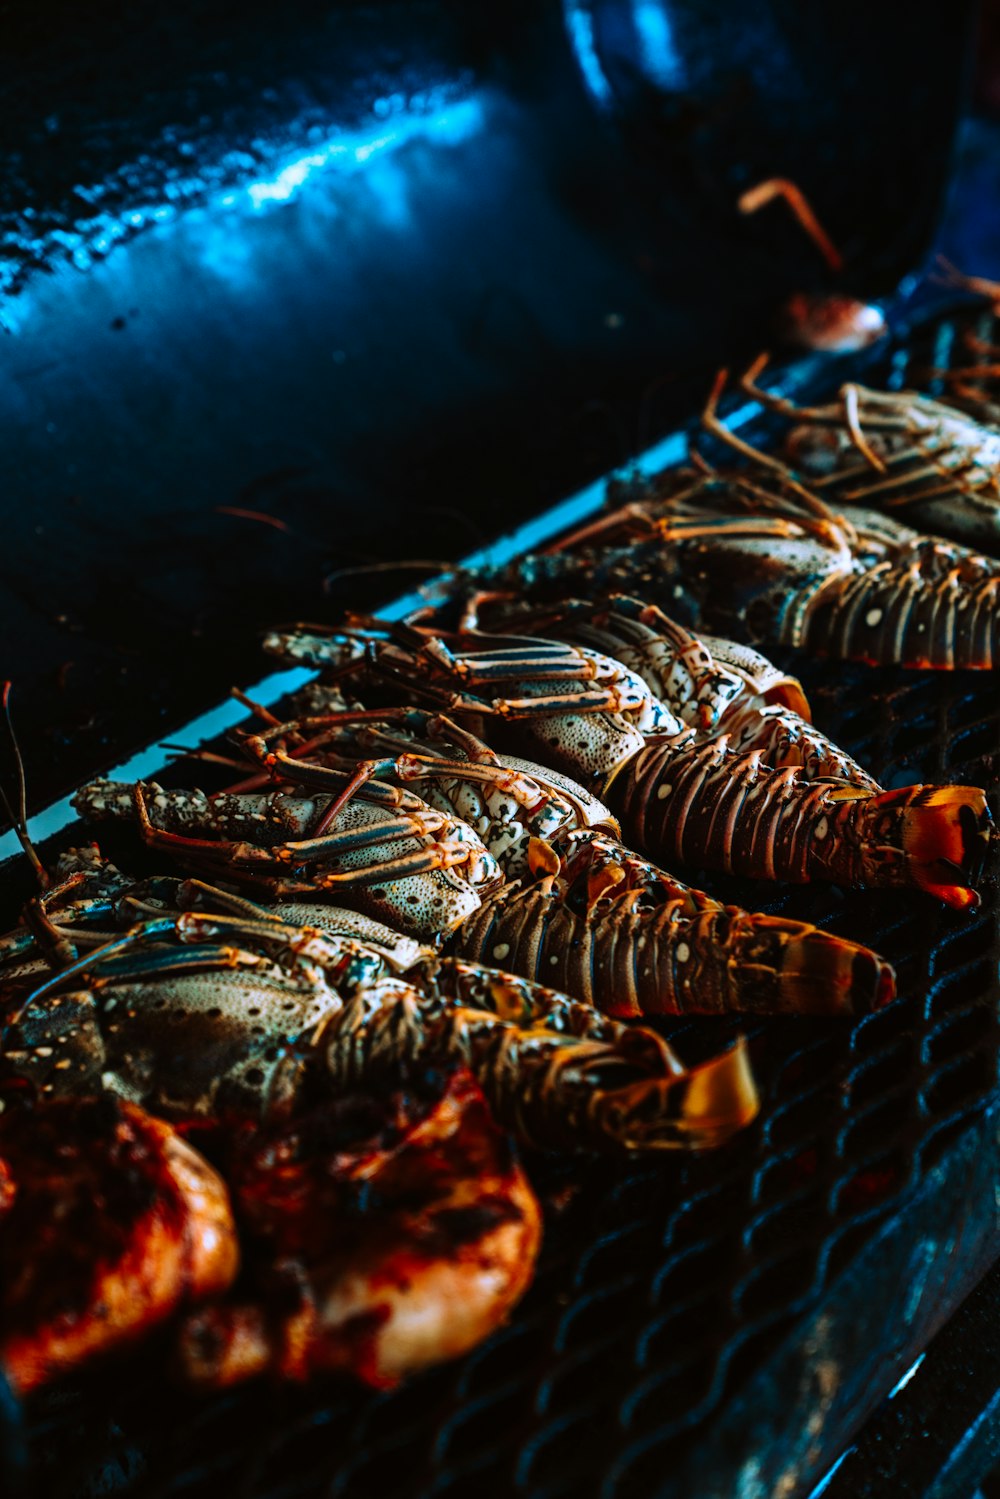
(754, 555)
(607, 926)
(714, 686)
(580, 910)
(897, 451)
(678, 799)
(234, 1011)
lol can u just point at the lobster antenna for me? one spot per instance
(950, 275)
(781, 187)
(712, 423)
(19, 818)
(700, 462)
(257, 709)
(852, 420)
(809, 506)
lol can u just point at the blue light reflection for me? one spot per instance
(444, 126)
(657, 48)
(580, 25)
(253, 183)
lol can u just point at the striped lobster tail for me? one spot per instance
(731, 812)
(934, 605)
(629, 962)
(552, 1089)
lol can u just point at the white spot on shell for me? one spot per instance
(873, 616)
(683, 952)
(662, 792)
(821, 829)
(501, 951)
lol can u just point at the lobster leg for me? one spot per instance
(442, 853)
(408, 767)
(428, 882)
(48, 921)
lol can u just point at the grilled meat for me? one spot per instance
(382, 1237)
(109, 1222)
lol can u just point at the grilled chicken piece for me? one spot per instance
(386, 1237)
(108, 1223)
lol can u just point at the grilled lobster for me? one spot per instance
(236, 1012)
(583, 912)
(681, 800)
(753, 555)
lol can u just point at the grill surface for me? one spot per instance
(695, 1323)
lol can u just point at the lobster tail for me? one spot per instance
(793, 968)
(728, 811)
(629, 961)
(701, 1109)
(927, 603)
(936, 837)
(748, 963)
(556, 1077)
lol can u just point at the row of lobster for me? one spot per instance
(442, 893)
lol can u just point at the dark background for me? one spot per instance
(390, 277)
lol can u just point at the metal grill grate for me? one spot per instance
(692, 1319)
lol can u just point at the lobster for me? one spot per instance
(390, 854)
(234, 1012)
(755, 556)
(678, 799)
(897, 451)
(593, 918)
(715, 686)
